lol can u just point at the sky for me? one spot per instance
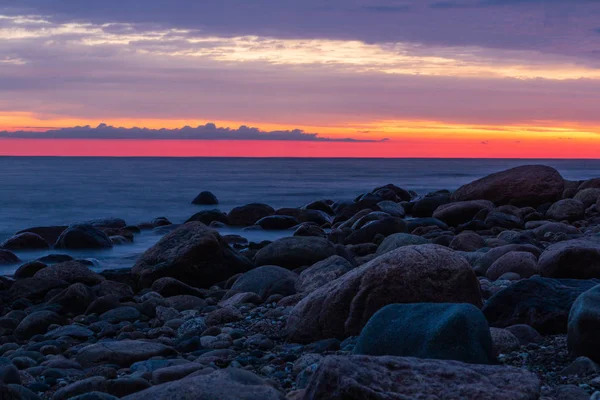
(329, 78)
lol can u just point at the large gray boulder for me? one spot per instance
(428, 330)
(528, 185)
(225, 384)
(387, 378)
(411, 274)
(572, 259)
(192, 253)
(295, 252)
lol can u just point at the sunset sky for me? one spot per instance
(329, 78)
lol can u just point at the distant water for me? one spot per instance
(39, 191)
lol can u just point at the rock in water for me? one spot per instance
(226, 384)
(8, 257)
(79, 237)
(411, 274)
(428, 330)
(192, 253)
(205, 198)
(541, 303)
(527, 185)
(250, 213)
(386, 378)
(25, 241)
(295, 252)
(584, 325)
(574, 259)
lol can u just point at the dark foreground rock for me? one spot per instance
(383, 378)
(295, 252)
(573, 259)
(411, 274)
(124, 352)
(192, 253)
(584, 325)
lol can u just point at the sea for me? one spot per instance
(44, 191)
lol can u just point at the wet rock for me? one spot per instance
(37, 323)
(49, 233)
(295, 252)
(250, 213)
(226, 384)
(381, 378)
(70, 271)
(29, 269)
(266, 281)
(192, 253)
(25, 241)
(205, 198)
(209, 216)
(528, 185)
(428, 330)
(7, 257)
(411, 274)
(78, 237)
(584, 325)
(566, 210)
(398, 240)
(520, 262)
(322, 273)
(575, 259)
(541, 303)
(277, 222)
(461, 212)
(123, 353)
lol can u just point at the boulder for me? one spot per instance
(25, 241)
(168, 287)
(37, 323)
(461, 212)
(225, 384)
(584, 325)
(302, 215)
(7, 257)
(250, 213)
(205, 198)
(71, 272)
(79, 237)
(467, 241)
(541, 303)
(123, 353)
(295, 252)
(428, 330)
(528, 185)
(486, 261)
(411, 274)
(503, 220)
(192, 253)
(573, 259)
(520, 262)
(29, 269)
(566, 210)
(392, 208)
(35, 288)
(398, 240)
(588, 196)
(266, 281)
(426, 206)
(75, 299)
(209, 216)
(385, 378)
(191, 328)
(322, 273)
(49, 233)
(384, 227)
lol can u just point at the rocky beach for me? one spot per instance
(491, 291)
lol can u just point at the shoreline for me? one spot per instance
(520, 247)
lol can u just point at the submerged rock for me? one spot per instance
(25, 241)
(77, 237)
(205, 198)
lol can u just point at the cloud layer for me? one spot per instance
(204, 132)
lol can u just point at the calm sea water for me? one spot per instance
(37, 191)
